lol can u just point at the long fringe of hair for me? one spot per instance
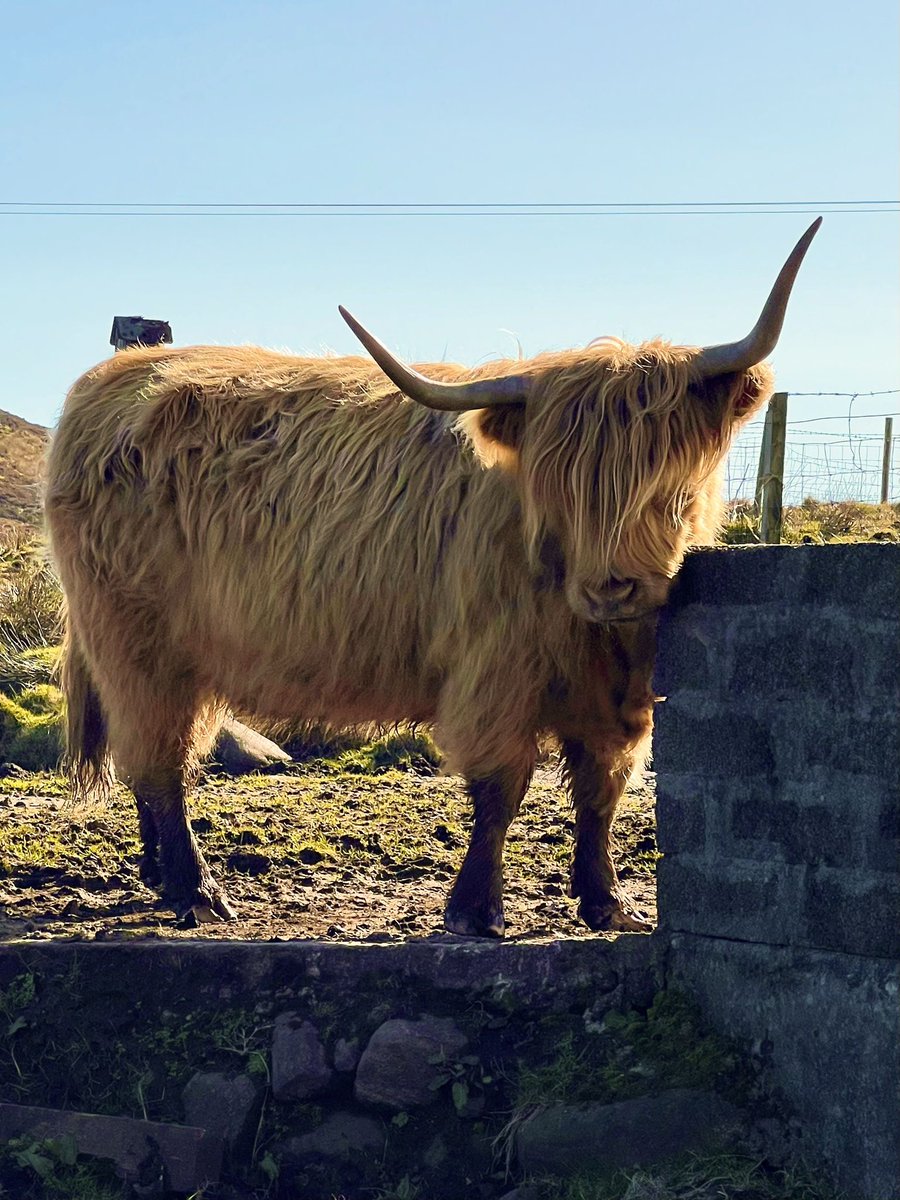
(618, 450)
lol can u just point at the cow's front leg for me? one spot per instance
(596, 787)
(475, 906)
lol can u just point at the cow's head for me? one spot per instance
(614, 447)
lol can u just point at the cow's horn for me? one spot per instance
(449, 397)
(757, 345)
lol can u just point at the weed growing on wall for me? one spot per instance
(716, 1176)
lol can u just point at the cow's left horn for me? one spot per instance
(738, 356)
(449, 397)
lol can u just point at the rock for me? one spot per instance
(240, 750)
(144, 1152)
(227, 1106)
(567, 1140)
(339, 1136)
(346, 1054)
(299, 1069)
(396, 1070)
(10, 770)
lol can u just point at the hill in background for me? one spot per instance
(22, 448)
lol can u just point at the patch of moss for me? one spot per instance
(404, 751)
(632, 1054)
(670, 1045)
(42, 700)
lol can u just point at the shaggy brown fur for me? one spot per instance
(292, 537)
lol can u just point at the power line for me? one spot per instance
(435, 204)
(698, 212)
(11, 208)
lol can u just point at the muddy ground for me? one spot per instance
(310, 852)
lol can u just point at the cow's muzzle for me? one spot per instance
(617, 600)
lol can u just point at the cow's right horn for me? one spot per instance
(760, 342)
(448, 397)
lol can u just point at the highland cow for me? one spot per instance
(328, 538)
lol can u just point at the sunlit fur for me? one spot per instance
(620, 457)
(292, 537)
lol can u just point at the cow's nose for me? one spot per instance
(605, 602)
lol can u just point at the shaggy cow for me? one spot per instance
(323, 537)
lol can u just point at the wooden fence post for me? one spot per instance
(770, 484)
(886, 459)
(765, 449)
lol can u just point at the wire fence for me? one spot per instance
(835, 464)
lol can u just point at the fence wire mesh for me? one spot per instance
(822, 465)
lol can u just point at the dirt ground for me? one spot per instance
(307, 853)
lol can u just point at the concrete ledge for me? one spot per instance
(546, 974)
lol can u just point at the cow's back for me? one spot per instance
(290, 523)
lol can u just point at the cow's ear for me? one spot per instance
(496, 434)
(732, 398)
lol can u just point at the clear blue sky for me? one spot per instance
(367, 101)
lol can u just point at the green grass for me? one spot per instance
(816, 522)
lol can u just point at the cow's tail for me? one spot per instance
(87, 760)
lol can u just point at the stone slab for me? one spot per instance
(184, 1156)
(568, 1139)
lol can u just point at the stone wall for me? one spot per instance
(777, 753)
(337, 1070)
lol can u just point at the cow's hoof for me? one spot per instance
(484, 923)
(204, 908)
(612, 916)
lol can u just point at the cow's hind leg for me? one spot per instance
(152, 737)
(187, 882)
(475, 906)
(148, 866)
(596, 786)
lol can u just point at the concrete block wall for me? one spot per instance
(777, 752)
